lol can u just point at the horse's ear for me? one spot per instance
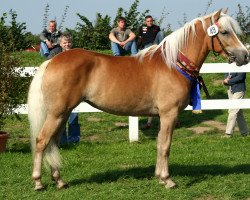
(225, 11)
(217, 15)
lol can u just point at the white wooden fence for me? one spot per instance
(211, 104)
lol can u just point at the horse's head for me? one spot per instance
(222, 32)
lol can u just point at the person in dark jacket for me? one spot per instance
(236, 90)
(149, 34)
(49, 39)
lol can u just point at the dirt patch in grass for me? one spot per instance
(92, 138)
(210, 125)
(219, 125)
(200, 129)
(207, 197)
(121, 124)
(94, 119)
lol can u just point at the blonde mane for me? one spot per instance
(177, 40)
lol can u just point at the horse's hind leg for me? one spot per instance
(55, 173)
(163, 149)
(46, 139)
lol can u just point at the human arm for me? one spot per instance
(130, 38)
(43, 38)
(239, 78)
(113, 38)
(43, 35)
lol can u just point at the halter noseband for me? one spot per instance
(231, 58)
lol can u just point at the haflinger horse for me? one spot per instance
(155, 82)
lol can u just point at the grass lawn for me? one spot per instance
(104, 165)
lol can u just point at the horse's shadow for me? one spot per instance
(198, 173)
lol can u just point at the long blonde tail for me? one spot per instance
(37, 115)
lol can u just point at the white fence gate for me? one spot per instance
(211, 104)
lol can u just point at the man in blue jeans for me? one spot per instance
(122, 39)
(49, 39)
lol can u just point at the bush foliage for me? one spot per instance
(94, 35)
(13, 34)
(12, 86)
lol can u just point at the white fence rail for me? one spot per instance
(205, 104)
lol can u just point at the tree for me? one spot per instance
(243, 19)
(12, 86)
(14, 35)
(133, 17)
(90, 35)
(95, 35)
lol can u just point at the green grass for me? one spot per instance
(106, 166)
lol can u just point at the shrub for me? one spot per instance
(13, 34)
(12, 86)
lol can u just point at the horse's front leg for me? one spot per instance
(163, 149)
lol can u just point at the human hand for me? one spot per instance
(122, 44)
(225, 81)
(49, 44)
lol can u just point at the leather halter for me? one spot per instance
(231, 58)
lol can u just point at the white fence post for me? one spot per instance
(133, 129)
(206, 104)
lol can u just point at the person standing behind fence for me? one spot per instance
(236, 90)
(149, 34)
(49, 39)
(73, 136)
(122, 39)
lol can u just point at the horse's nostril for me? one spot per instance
(247, 57)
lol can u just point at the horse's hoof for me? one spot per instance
(39, 188)
(169, 184)
(61, 185)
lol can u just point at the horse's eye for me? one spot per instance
(224, 32)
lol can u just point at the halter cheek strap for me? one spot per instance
(231, 58)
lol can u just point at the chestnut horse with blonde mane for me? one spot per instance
(148, 84)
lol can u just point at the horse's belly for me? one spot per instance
(124, 105)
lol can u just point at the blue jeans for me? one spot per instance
(158, 38)
(73, 130)
(119, 51)
(44, 50)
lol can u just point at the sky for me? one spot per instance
(31, 11)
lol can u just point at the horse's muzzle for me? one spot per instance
(241, 57)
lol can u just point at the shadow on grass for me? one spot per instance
(198, 173)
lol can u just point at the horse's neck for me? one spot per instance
(196, 51)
